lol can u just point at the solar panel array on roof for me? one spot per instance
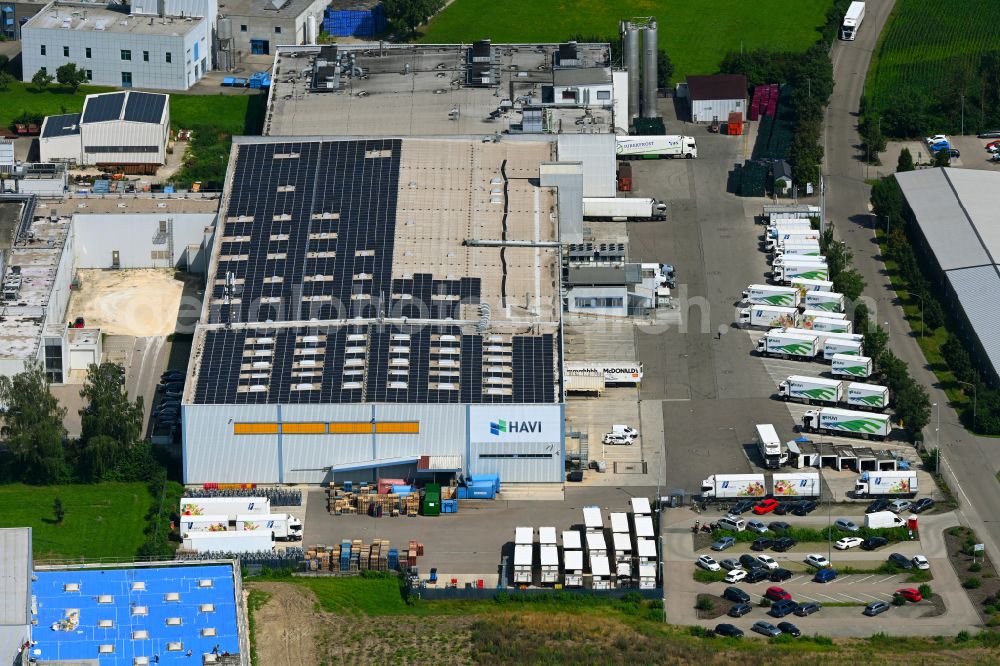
(144, 107)
(99, 108)
(64, 125)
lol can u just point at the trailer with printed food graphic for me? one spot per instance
(767, 294)
(228, 506)
(804, 485)
(811, 389)
(282, 526)
(730, 486)
(887, 484)
(767, 316)
(846, 422)
(203, 523)
(805, 285)
(812, 322)
(857, 367)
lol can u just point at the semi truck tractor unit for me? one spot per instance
(731, 486)
(853, 17)
(803, 347)
(846, 422)
(772, 452)
(767, 316)
(844, 365)
(281, 526)
(766, 294)
(811, 389)
(655, 147)
(826, 301)
(790, 271)
(882, 484)
(621, 209)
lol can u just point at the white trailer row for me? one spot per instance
(772, 316)
(834, 392)
(743, 486)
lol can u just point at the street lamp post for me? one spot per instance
(975, 394)
(937, 438)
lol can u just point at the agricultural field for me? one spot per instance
(695, 34)
(930, 54)
(104, 520)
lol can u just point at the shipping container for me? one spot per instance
(640, 506)
(571, 540)
(573, 568)
(547, 536)
(592, 519)
(619, 522)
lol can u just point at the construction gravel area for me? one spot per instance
(137, 302)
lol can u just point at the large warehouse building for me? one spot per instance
(954, 213)
(381, 307)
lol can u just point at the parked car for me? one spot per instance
(784, 508)
(728, 630)
(778, 526)
(922, 505)
(779, 575)
(724, 543)
(749, 562)
(878, 505)
(871, 543)
(808, 609)
(899, 505)
(816, 560)
(766, 628)
(736, 595)
(846, 525)
(739, 610)
(920, 562)
(993, 146)
(769, 562)
(910, 594)
(989, 134)
(783, 607)
(742, 507)
(825, 575)
(616, 439)
(763, 543)
(937, 138)
(790, 629)
(848, 542)
(876, 607)
(757, 526)
(172, 376)
(901, 561)
(729, 564)
(775, 593)
(765, 506)
(783, 544)
(805, 508)
(735, 576)
(756, 575)
(708, 563)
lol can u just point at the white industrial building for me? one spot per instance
(258, 27)
(354, 329)
(122, 130)
(150, 45)
(715, 97)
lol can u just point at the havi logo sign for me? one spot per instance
(502, 426)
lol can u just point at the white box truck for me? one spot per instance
(809, 270)
(800, 484)
(549, 558)
(620, 209)
(524, 555)
(882, 520)
(846, 422)
(828, 301)
(206, 523)
(772, 452)
(652, 147)
(853, 17)
(229, 506)
(282, 526)
(228, 542)
(767, 294)
(880, 484)
(799, 346)
(767, 316)
(811, 389)
(845, 365)
(832, 347)
(804, 285)
(867, 396)
(728, 486)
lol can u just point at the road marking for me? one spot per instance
(828, 597)
(861, 580)
(870, 596)
(792, 580)
(860, 601)
(886, 579)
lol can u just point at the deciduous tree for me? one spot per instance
(33, 427)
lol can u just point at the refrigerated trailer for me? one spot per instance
(728, 486)
(655, 147)
(832, 347)
(847, 422)
(800, 346)
(206, 523)
(282, 526)
(549, 560)
(523, 563)
(790, 271)
(228, 542)
(882, 484)
(853, 17)
(801, 484)
(811, 389)
(828, 301)
(767, 294)
(620, 209)
(846, 365)
(767, 316)
(573, 568)
(805, 285)
(867, 396)
(229, 506)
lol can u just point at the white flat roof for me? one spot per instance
(599, 565)
(645, 548)
(573, 560)
(623, 542)
(547, 535)
(571, 539)
(644, 526)
(92, 17)
(524, 535)
(522, 556)
(640, 505)
(592, 518)
(596, 542)
(619, 522)
(549, 556)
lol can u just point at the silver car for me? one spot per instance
(766, 628)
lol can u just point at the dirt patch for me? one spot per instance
(286, 626)
(137, 302)
(938, 607)
(720, 606)
(986, 597)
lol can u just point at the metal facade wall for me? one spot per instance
(124, 133)
(703, 111)
(60, 148)
(98, 236)
(522, 443)
(597, 152)
(212, 453)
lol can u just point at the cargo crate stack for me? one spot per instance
(355, 556)
(764, 101)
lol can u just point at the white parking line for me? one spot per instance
(884, 580)
(869, 596)
(792, 580)
(861, 580)
(850, 598)
(828, 597)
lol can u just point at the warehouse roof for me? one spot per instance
(65, 125)
(132, 106)
(265, 8)
(92, 17)
(717, 86)
(15, 575)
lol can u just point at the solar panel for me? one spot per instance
(99, 108)
(144, 107)
(64, 125)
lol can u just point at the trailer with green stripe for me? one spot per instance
(803, 347)
(846, 422)
(767, 294)
(828, 301)
(811, 389)
(867, 396)
(845, 365)
(791, 270)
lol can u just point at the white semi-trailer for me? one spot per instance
(782, 259)
(282, 526)
(727, 486)
(790, 271)
(771, 449)
(830, 324)
(847, 422)
(811, 389)
(799, 346)
(768, 294)
(879, 484)
(831, 341)
(206, 523)
(833, 346)
(623, 208)
(807, 248)
(857, 367)
(655, 147)
(228, 542)
(523, 563)
(228, 506)
(801, 484)
(867, 396)
(804, 285)
(828, 301)
(549, 559)
(767, 316)
(853, 17)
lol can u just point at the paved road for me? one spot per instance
(974, 461)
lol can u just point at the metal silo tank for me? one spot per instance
(649, 56)
(224, 27)
(632, 66)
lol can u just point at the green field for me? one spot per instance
(929, 55)
(695, 34)
(102, 521)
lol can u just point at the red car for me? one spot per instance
(910, 594)
(765, 506)
(993, 146)
(775, 593)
